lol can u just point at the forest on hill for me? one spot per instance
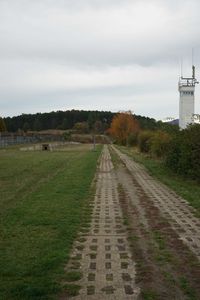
(71, 119)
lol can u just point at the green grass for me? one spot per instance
(162, 255)
(73, 276)
(149, 295)
(188, 189)
(187, 289)
(159, 240)
(43, 197)
(71, 289)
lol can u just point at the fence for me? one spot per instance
(13, 139)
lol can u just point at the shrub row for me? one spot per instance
(179, 150)
(154, 142)
(184, 153)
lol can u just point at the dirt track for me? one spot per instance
(144, 240)
(174, 208)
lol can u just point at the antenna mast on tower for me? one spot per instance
(186, 88)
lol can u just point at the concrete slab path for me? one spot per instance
(174, 208)
(154, 214)
(107, 267)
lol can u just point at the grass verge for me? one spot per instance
(42, 208)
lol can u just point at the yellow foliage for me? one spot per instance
(123, 125)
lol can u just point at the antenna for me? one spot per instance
(193, 71)
(181, 67)
(193, 67)
(192, 56)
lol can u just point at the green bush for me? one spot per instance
(67, 136)
(159, 143)
(179, 149)
(144, 141)
(184, 152)
(174, 153)
(132, 139)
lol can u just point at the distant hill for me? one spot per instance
(65, 120)
(174, 122)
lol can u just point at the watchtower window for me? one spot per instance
(187, 93)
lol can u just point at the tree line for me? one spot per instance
(64, 120)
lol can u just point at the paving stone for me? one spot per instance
(109, 277)
(108, 265)
(90, 290)
(108, 289)
(126, 277)
(128, 289)
(91, 277)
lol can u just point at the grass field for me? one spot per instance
(43, 195)
(188, 189)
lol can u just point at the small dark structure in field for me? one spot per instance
(45, 147)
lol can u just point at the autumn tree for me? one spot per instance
(123, 126)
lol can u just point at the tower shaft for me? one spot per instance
(186, 88)
(186, 106)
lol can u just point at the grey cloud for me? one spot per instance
(113, 99)
(51, 39)
(81, 40)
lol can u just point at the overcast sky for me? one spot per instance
(96, 54)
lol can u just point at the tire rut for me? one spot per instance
(166, 266)
(175, 209)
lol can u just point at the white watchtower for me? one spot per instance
(186, 87)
